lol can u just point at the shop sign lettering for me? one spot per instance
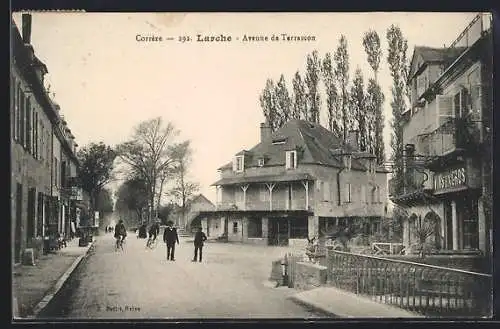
(450, 179)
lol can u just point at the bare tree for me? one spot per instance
(183, 189)
(148, 154)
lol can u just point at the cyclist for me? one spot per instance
(120, 233)
(154, 230)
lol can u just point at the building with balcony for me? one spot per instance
(445, 129)
(296, 182)
(37, 146)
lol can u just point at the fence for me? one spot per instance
(425, 289)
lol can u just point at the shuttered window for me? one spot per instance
(347, 192)
(445, 109)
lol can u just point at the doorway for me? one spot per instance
(278, 231)
(18, 229)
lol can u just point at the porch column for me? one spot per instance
(406, 236)
(306, 186)
(481, 227)
(443, 233)
(454, 224)
(244, 188)
(270, 187)
(313, 226)
(221, 227)
(265, 227)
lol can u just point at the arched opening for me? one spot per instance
(433, 222)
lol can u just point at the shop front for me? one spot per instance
(459, 190)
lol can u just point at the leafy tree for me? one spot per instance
(165, 212)
(398, 66)
(341, 71)
(375, 97)
(357, 101)
(148, 155)
(104, 202)
(132, 195)
(283, 103)
(184, 189)
(299, 104)
(332, 100)
(313, 70)
(96, 166)
(268, 102)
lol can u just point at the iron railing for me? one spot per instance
(425, 289)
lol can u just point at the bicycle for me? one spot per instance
(151, 244)
(119, 243)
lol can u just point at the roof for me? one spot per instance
(199, 198)
(263, 178)
(433, 55)
(316, 145)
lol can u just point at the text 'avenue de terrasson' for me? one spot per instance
(222, 38)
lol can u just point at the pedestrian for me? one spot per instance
(170, 237)
(199, 238)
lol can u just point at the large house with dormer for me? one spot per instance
(446, 145)
(296, 182)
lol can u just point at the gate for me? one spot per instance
(292, 260)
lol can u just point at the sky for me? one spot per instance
(106, 81)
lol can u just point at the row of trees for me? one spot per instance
(349, 105)
(152, 159)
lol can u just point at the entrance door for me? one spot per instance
(449, 226)
(278, 232)
(18, 231)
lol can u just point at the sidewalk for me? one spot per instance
(342, 304)
(34, 286)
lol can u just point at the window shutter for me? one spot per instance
(235, 164)
(347, 187)
(326, 191)
(287, 160)
(444, 109)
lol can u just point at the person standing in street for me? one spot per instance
(199, 238)
(170, 237)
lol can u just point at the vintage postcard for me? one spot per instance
(251, 165)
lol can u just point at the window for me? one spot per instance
(291, 159)
(347, 191)
(326, 191)
(56, 172)
(347, 162)
(260, 162)
(375, 197)
(39, 221)
(264, 194)
(238, 195)
(470, 226)
(18, 112)
(255, 228)
(238, 163)
(42, 141)
(279, 141)
(363, 194)
(22, 118)
(31, 214)
(35, 135)
(235, 227)
(29, 129)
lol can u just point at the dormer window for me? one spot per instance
(260, 162)
(279, 141)
(238, 163)
(291, 159)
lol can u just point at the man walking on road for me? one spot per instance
(170, 237)
(199, 238)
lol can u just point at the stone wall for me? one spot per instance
(309, 276)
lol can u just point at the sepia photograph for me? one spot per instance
(192, 166)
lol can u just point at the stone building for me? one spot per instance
(445, 144)
(36, 144)
(296, 182)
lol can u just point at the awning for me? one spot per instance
(264, 179)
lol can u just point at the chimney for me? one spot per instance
(26, 19)
(265, 131)
(352, 139)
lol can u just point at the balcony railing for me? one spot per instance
(414, 180)
(420, 288)
(263, 205)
